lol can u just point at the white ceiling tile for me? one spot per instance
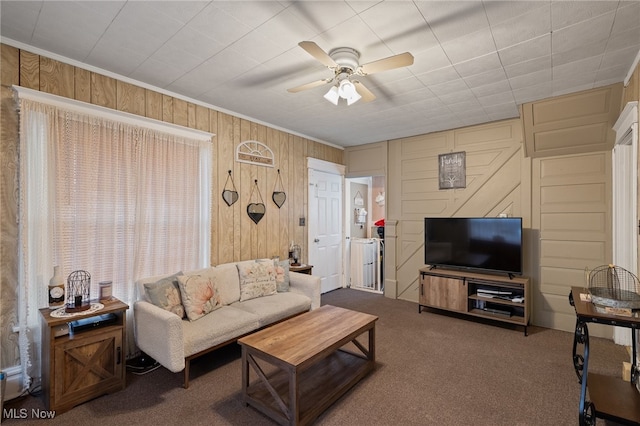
(531, 25)
(496, 99)
(241, 56)
(354, 33)
(250, 13)
(478, 65)
(563, 57)
(361, 5)
(501, 11)
(158, 73)
(18, 19)
(318, 17)
(192, 42)
(506, 110)
(450, 20)
(486, 78)
(257, 47)
(531, 79)
(527, 50)
(438, 76)
(414, 35)
(449, 87)
(533, 93)
(492, 88)
(219, 25)
(526, 67)
(429, 60)
(624, 39)
(469, 46)
(285, 30)
(627, 16)
(567, 13)
(582, 66)
(583, 34)
(464, 95)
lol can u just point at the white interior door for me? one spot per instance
(326, 227)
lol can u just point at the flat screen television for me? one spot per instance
(490, 244)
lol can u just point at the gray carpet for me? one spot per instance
(433, 369)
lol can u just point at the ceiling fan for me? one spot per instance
(343, 61)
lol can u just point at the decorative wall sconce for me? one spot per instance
(279, 197)
(256, 210)
(229, 196)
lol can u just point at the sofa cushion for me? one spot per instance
(276, 306)
(199, 295)
(228, 283)
(257, 278)
(217, 327)
(282, 275)
(165, 294)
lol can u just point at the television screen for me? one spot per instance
(489, 244)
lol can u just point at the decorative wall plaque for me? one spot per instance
(452, 170)
(254, 152)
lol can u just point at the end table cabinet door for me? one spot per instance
(87, 366)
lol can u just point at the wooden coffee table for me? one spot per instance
(302, 365)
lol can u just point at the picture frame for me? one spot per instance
(452, 170)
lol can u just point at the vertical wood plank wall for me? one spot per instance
(233, 235)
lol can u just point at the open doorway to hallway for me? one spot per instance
(364, 249)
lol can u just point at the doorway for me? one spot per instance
(326, 233)
(364, 248)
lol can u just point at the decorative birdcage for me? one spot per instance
(78, 291)
(613, 287)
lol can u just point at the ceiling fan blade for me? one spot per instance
(309, 85)
(366, 94)
(315, 51)
(397, 61)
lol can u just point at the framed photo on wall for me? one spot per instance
(452, 170)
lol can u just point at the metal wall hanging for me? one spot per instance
(256, 210)
(229, 196)
(254, 152)
(452, 170)
(279, 197)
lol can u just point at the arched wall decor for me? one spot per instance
(254, 152)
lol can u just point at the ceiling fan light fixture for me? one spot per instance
(353, 98)
(332, 95)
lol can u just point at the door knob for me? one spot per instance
(316, 240)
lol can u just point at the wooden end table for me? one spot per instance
(303, 269)
(316, 358)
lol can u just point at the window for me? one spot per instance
(118, 196)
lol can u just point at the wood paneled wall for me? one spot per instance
(234, 235)
(498, 182)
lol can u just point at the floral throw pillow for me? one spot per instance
(199, 295)
(282, 275)
(257, 279)
(166, 295)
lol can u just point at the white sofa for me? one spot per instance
(174, 341)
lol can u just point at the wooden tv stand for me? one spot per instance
(457, 291)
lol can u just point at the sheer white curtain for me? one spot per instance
(116, 198)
